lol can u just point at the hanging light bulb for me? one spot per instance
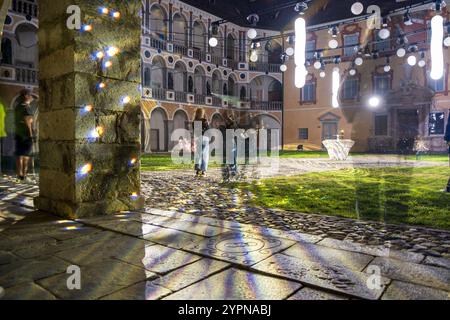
(387, 67)
(401, 52)
(290, 51)
(374, 102)
(317, 65)
(252, 33)
(336, 84)
(300, 53)
(112, 51)
(359, 61)
(384, 33)
(352, 72)
(213, 42)
(436, 50)
(422, 62)
(357, 8)
(333, 44)
(412, 60)
(322, 74)
(283, 68)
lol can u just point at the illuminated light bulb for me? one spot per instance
(252, 33)
(290, 51)
(436, 50)
(401, 52)
(352, 72)
(333, 43)
(88, 108)
(387, 68)
(86, 169)
(317, 65)
(100, 131)
(359, 61)
(283, 68)
(322, 74)
(126, 100)
(335, 89)
(384, 34)
(116, 14)
(87, 28)
(213, 42)
(108, 64)
(422, 63)
(99, 55)
(374, 102)
(102, 85)
(253, 56)
(133, 161)
(300, 53)
(447, 41)
(357, 8)
(112, 51)
(412, 60)
(134, 195)
(104, 10)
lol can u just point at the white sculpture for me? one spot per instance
(338, 149)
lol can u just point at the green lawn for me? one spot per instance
(394, 195)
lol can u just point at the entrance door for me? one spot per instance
(154, 140)
(329, 130)
(408, 129)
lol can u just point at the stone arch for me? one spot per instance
(157, 17)
(199, 35)
(158, 130)
(180, 120)
(270, 123)
(217, 120)
(266, 88)
(274, 55)
(180, 30)
(158, 72)
(26, 51)
(179, 76)
(232, 85)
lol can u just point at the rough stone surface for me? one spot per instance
(399, 290)
(313, 294)
(141, 291)
(27, 291)
(235, 284)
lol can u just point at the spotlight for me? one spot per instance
(357, 8)
(101, 85)
(384, 33)
(412, 60)
(213, 42)
(334, 31)
(375, 54)
(290, 51)
(254, 56)
(367, 52)
(374, 102)
(401, 52)
(333, 44)
(322, 74)
(112, 51)
(133, 161)
(253, 19)
(283, 68)
(317, 65)
(252, 33)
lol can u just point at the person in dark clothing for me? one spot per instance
(23, 118)
(201, 155)
(232, 124)
(447, 138)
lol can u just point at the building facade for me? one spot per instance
(413, 108)
(182, 72)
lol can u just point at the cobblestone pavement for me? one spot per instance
(182, 192)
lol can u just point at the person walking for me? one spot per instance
(23, 117)
(232, 124)
(202, 143)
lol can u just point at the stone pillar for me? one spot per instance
(83, 175)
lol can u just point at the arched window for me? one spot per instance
(180, 30)
(146, 77)
(230, 47)
(190, 85)
(158, 22)
(243, 93)
(7, 51)
(199, 37)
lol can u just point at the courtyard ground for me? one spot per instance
(204, 239)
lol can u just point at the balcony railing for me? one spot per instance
(27, 76)
(267, 105)
(264, 67)
(25, 7)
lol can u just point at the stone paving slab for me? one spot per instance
(235, 284)
(415, 273)
(27, 291)
(97, 280)
(184, 277)
(328, 256)
(121, 247)
(399, 290)
(125, 226)
(314, 294)
(191, 227)
(28, 271)
(437, 262)
(160, 259)
(7, 257)
(337, 279)
(381, 251)
(170, 237)
(141, 291)
(241, 248)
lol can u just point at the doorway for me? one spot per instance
(408, 129)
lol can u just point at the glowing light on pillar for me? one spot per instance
(88, 108)
(85, 169)
(134, 196)
(300, 53)
(336, 85)
(104, 10)
(133, 162)
(107, 64)
(112, 51)
(115, 14)
(87, 28)
(126, 100)
(437, 53)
